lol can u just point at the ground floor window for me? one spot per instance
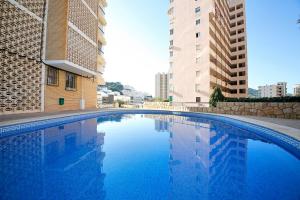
(52, 76)
(198, 99)
(70, 81)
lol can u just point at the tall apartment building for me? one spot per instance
(161, 85)
(275, 90)
(208, 48)
(51, 54)
(297, 90)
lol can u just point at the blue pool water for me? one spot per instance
(146, 156)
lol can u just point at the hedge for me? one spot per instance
(272, 99)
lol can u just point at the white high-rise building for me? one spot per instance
(161, 86)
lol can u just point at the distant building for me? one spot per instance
(148, 98)
(122, 98)
(137, 97)
(161, 86)
(276, 90)
(106, 96)
(297, 90)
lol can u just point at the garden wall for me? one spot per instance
(289, 110)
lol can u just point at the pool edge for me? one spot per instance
(31, 123)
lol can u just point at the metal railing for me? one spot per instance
(100, 51)
(101, 10)
(101, 29)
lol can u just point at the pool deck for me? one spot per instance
(289, 127)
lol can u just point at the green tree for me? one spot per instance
(215, 97)
(115, 86)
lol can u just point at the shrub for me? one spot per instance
(121, 103)
(215, 97)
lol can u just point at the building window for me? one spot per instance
(242, 91)
(198, 99)
(241, 56)
(242, 73)
(52, 76)
(242, 82)
(198, 35)
(197, 10)
(171, 31)
(241, 39)
(70, 81)
(171, 42)
(197, 88)
(197, 21)
(171, 53)
(239, 6)
(241, 65)
(198, 73)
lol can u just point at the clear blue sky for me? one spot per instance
(138, 37)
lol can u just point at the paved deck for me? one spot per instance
(289, 127)
(28, 117)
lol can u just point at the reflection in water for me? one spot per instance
(54, 163)
(205, 161)
(148, 157)
(215, 159)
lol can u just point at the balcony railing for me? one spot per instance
(101, 29)
(101, 70)
(101, 10)
(100, 52)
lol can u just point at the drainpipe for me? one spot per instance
(43, 54)
(82, 101)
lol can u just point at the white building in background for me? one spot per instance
(297, 90)
(275, 90)
(161, 86)
(137, 97)
(122, 98)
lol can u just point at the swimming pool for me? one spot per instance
(147, 155)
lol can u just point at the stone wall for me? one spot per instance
(163, 106)
(276, 110)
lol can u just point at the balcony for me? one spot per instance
(101, 15)
(71, 67)
(104, 3)
(100, 69)
(101, 38)
(100, 80)
(100, 58)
